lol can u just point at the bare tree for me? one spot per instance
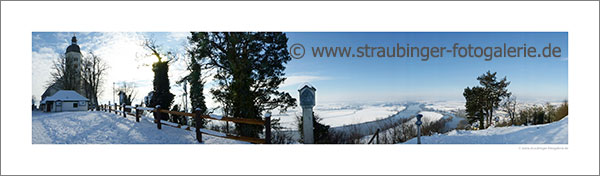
(510, 106)
(33, 100)
(93, 72)
(127, 90)
(58, 71)
(157, 51)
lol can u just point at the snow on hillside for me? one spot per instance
(335, 115)
(85, 127)
(368, 128)
(552, 133)
(430, 117)
(355, 116)
(447, 106)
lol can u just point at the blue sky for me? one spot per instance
(439, 78)
(338, 79)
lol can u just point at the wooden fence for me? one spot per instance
(158, 113)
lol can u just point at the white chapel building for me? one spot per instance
(65, 100)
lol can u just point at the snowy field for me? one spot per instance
(340, 115)
(552, 133)
(429, 117)
(447, 106)
(366, 119)
(85, 127)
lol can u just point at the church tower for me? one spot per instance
(73, 67)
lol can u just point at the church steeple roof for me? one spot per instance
(73, 47)
(74, 40)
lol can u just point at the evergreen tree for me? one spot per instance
(550, 112)
(494, 91)
(161, 94)
(475, 99)
(525, 116)
(198, 53)
(320, 131)
(538, 115)
(249, 69)
(562, 111)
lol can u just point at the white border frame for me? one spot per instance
(580, 19)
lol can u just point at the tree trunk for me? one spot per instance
(481, 124)
(491, 114)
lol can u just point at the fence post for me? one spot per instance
(419, 116)
(116, 108)
(198, 121)
(377, 137)
(109, 108)
(124, 113)
(268, 128)
(137, 113)
(157, 117)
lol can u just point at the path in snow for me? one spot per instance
(95, 127)
(552, 133)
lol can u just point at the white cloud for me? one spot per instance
(127, 59)
(36, 37)
(41, 67)
(63, 35)
(178, 36)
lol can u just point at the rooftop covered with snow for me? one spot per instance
(65, 95)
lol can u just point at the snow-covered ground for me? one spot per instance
(337, 118)
(445, 105)
(94, 127)
(368, 128)
(449, 110)
(430, 117)
(552, 133)
(340, 115)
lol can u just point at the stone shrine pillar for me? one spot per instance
(307, 102)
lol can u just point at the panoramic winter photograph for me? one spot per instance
(299, 88)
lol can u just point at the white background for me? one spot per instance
(19, 19)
